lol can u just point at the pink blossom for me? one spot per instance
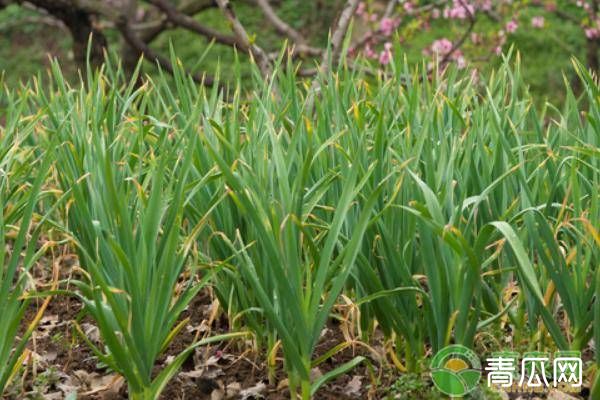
(441, 46)
(369, 52)
(475, 75)
(140, 14)
(537, 22)
(444, 49)
(459, 10)
(373, 17)
(485, 5)
(501, 39)
(408, 7)
(387, 26)
(592, 33)
(362, 7)
(511, 26)
(385, 56)
(498, 50)
(583, 4)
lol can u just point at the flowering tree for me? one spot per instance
(459, 31)
(484, 24)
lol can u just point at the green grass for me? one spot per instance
(19, 195)
(126, 221)
(420, 200)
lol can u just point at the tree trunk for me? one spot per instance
(81, 25)
(129, 55)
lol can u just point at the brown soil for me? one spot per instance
(60, 358)
(59, 349)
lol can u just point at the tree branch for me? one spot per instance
(389, 10)
(185, 21)
(285, 29)
(337, 37)
(243, 40)
(143, 49)
(77, 15)
(194, 7)
(456, 45)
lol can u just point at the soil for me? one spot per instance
(58, 348)
(61, 362)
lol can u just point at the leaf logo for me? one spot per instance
(455, 370)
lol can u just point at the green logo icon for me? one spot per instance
(455, 370)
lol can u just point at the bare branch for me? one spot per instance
(143, 49)
(337, 37)
(389, 10)
(33, 20)
(94, 7)
(189, 23)
(44, 17)
(285, 29)
(280, 25)
(194, 7)
(150, 29)
(261, 57)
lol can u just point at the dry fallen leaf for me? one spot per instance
(91, 332)
(53, 396)
(217, 394)
(253, 392)
(47, 325)
(556, 395)
(315, 374)
(233, 389)
(283, 384)
(92, 383)
(354, 386)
